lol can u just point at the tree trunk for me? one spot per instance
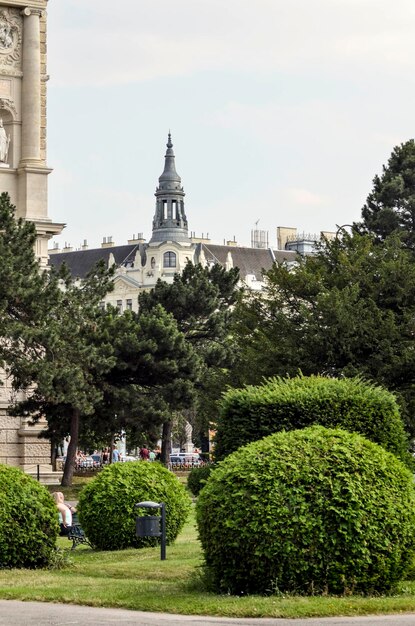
(112, 446)
(53, 453)
(71, 452)
(166, 442)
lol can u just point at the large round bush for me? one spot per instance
(308, 511)
(28, 521)
(106, 504)
(279, 404)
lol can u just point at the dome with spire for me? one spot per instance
(170, 221)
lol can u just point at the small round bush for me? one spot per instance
(198, 477)
(308, 511)
(106, 504)
(28, 521)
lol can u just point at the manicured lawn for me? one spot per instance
(71, 493)
(137, 579)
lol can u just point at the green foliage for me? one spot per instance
(288, 404)
(106, 504)
(197, 478)
(308, 511)
(200, 300)
(28, 521)
(62, 357)
(390, 206)
(154, 373)
(348, 310)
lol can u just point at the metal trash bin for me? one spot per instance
(152, 525)
(148, 526)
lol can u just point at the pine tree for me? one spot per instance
(390, 206)
(201, 299)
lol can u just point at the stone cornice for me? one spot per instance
(31, 4)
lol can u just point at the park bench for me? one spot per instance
(77, 533)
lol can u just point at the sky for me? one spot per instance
(281, 112)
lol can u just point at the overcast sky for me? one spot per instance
(281, 111)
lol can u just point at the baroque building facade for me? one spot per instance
(24, 174)
(139, 264)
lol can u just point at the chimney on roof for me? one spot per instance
(135, 240)
(107, 242)
(67, 247)
(84, 245)
(285, 234)
(55, 249)
(232, 242)
(201, 239)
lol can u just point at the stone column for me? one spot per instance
(31, 91)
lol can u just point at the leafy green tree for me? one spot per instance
(390, 206)
(201, 299)
(349, 310)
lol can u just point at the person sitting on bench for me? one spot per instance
(65, 513)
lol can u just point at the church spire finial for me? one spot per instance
(170, 221)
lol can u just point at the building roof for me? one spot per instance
(80, 262)
(248, 260)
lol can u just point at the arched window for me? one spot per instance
(169, 259)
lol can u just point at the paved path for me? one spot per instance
(14, 613)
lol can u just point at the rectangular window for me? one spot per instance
(119, 306)
(129, 305)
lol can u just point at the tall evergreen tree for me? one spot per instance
(42, 326)
(201, 299)
(153, 375)
(62, 364)
(390, 206)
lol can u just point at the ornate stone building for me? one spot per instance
(140, 264)
(24, 174)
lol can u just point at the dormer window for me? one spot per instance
(169, 259)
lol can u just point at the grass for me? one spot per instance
(72, 492)
(139, 580)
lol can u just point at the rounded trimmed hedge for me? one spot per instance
(198, 477)
(309, 511)
(106, 504)
(254, 412)
(28, 521)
